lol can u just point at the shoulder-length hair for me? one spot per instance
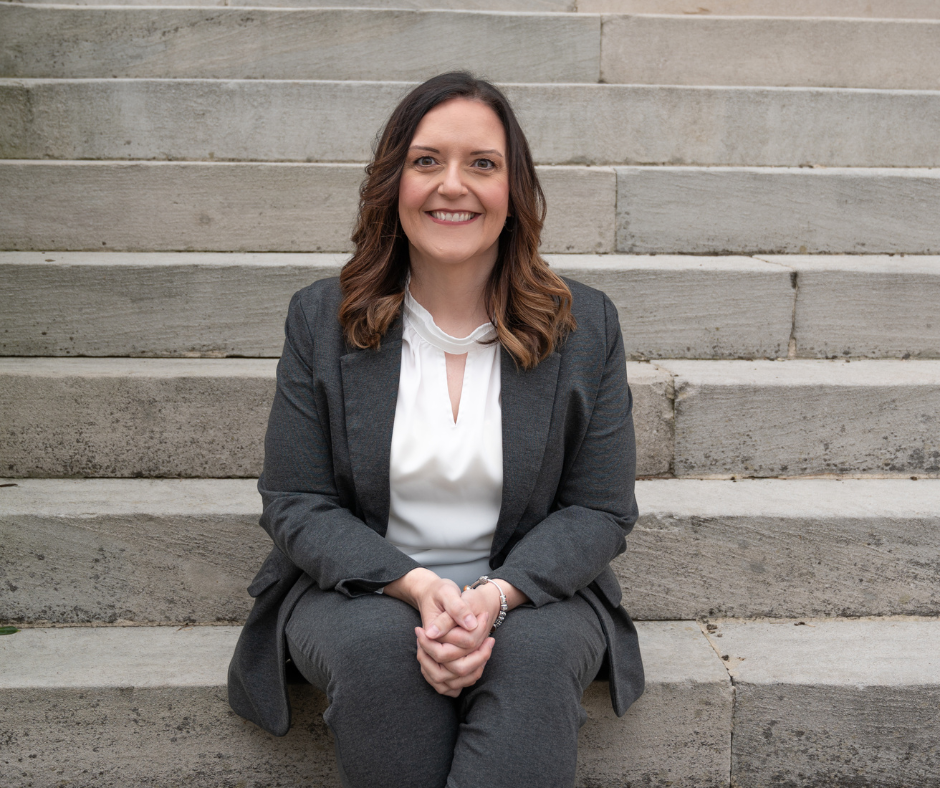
(529, 305)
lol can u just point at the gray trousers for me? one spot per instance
(517, 727)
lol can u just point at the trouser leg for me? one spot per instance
(390, 727)
(520, 721)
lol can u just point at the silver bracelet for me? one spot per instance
(503, 603)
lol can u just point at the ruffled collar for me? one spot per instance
(421, 321)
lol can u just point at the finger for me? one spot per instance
(457, 608)
(465, 639)
(433, 671)
(472, 663)
(441, 625)
(440, 652)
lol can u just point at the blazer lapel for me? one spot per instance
(370, 393)
(527, 401)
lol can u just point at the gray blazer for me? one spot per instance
(568, 465)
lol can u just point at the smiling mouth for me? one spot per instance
(455, 217)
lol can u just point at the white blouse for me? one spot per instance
(446, 477)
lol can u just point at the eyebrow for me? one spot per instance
(489, 151)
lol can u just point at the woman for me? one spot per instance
(449, 411)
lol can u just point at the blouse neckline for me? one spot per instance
(424, 325)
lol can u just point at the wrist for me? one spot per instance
(411, 586)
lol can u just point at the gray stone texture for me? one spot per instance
(142, 550)
(875, 306)
(116, 417)
(825, 703)
(151, 304)
(713, 50)
(800, 417)
(721, 210)
(783, 548)
(678, 734)
(167, 304)
(126, 417)
(877, 9)
(294, 43)
(155, 550)
(653, 419)
(241, 207)
(156, 696)
(269, 120)
(691, 307)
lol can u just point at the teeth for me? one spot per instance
(452, 217)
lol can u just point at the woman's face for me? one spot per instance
(453, 197)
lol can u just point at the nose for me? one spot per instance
(452, 185)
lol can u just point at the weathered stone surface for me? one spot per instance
(691, 307)
(323, 121)
(582, 206)
(125, 417)
(781, 548)
(677, 733)
(719, 210)
(796, 418)
(157, 206)
(459, 5)
(114, 417)
(875, 306)
(151, 304)
(652, 418)
(156, 696)
(221, 304)
(295, 43)
(877, 9)
(715, 50)
(144, 550)
(202, 206)
(853, 703)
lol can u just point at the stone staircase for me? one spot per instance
(756, 184)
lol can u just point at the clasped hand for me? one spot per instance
(453, 644)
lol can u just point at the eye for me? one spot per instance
(425, 161)
(484, 164)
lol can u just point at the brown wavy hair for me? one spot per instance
(529, 304)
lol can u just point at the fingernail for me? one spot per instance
(469, 622)
(433, 631)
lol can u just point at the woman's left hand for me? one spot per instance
(449, 678)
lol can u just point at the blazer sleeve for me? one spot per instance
(595, 507)
(303, 513)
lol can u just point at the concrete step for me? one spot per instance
(369, 43)
(211, 304)
(118, 705)
(722, 210)
(834, 702)
(875, 306)
(294, 43)
(820, 52)
(184, 551)
(862, 9)
(188, 304)
(274, 120)
(800, 418)
(288, 207)
(201, 206)
(206, 418)
(859, 9)
(201, 418)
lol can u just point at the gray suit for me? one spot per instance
(568, 464)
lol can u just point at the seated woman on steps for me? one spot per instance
(449, 415)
